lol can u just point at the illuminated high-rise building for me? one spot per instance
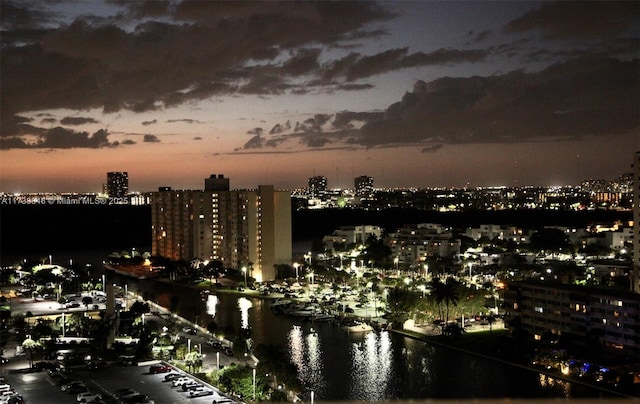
(317, 186)
(636, 223)
(117, 183)
(363, 186)
(240, 228)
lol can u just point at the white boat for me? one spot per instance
(357, 326)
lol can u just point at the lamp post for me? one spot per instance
(426, 271)
(244, 271)
(217, 360)
(103, 284)
(395, 261)
(296, 266)
(254, 384)
(189, 345)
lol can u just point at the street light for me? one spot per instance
(395, 261)
(254, 384)
(426, 271)
(218, 360)
(296, 266)
(103, 284)
(244, 271)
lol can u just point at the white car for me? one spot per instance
(181, 381)
(201, 392)
(88, 396)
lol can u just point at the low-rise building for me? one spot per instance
(585, 315)
(412, 244)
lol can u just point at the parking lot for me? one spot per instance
(40, 387)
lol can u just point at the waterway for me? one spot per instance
(374, 366)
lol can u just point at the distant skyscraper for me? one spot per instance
(363, 186)
(117, 183)
(636, 223)
(249, 229)
(317, 186)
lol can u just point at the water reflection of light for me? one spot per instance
(212, 304)
(306, 355)
(371, 367)
(244, 305)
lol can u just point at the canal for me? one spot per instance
(375, 366)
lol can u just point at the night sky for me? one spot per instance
(414, 94)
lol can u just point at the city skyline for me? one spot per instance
(413, 94)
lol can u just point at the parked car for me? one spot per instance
(190, 385)
(159, 368)
(201, 392)
(68, 386)
(172, 376)
(120, 393)
(181, 381)
(136, 398)
(88, 396)
(45, 365)
(189, 330)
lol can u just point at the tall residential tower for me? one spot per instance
(240, 228)
(117, 183)
(636, 223)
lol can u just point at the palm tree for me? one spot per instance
(445, 294)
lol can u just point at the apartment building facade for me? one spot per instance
(240, 228)
(612, 318)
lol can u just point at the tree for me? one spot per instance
(87, 300)
(445, 295)
(31, 345)
(193, 360)
(139, 308)
(549, 239)
(401, 302)
(376, 251)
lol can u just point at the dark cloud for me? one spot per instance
(150, 139)
(48, 121)
(570, 100)
(147, 123)
(197, 138)
(76, 120)
(256, 142)
(61, 138)
(184, 120)
(481, 36)
(302, 62)
(345, 119)
(578, 19)
(355, 66)
(102, 63)
(584, 97)
(443, 57)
